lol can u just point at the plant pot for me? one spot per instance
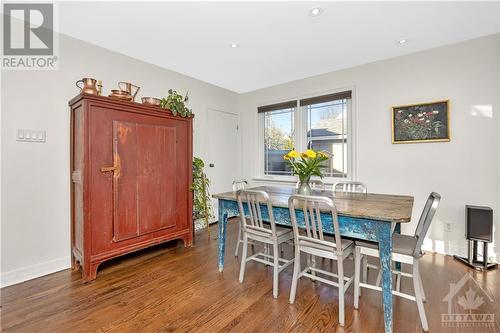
(200, 224)
(304, 187)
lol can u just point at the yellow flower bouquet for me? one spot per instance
(305, 165)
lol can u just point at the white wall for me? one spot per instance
(35, 196)
(35, 199)
(464, 171)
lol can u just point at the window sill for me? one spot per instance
(276, 179)
(292, 180)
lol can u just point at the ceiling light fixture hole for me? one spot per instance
(316, 11)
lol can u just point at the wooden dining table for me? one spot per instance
(365, 216)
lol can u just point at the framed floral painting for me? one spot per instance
(427, 122)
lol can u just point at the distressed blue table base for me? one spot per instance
(359, 228)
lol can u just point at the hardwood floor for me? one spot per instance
(171, 288)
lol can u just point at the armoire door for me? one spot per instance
(144, 182)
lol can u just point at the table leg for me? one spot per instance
(222, 234)
(385, 249)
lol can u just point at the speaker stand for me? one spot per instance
(472, 261)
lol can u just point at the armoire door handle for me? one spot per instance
(108, 169)
(116, 168)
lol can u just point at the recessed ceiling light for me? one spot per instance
(402, 41)
(316, 11)
(234, 45)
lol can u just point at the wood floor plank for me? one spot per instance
(170, 288)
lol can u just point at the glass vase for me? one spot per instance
(304, 187)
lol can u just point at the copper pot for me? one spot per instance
(89, 86)
(128, 88)
(121, 94)
(151, 101)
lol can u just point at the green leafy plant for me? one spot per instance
(176, 103)
(202, 207)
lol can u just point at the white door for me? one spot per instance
(221, 164)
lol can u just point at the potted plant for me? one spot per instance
(202, 207)
(305, 165)
(176, 103)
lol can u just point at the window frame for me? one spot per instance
(300, 138)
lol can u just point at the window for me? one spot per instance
(320, 123)
(278, 136)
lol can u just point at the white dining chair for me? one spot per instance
(315, 243)
(405, 249)
(239, 184)
(317, 184)
(348, 186)
(268, 234)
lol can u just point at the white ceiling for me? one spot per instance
(279, 41)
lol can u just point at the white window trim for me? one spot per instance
(301, 140)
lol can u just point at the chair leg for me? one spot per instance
(364, 264)
(275, 269)
(239, 240)
(295, 278)
(243, 258)
(422, 288)
(340, 273)
(266, 251)
(357, 271)
(418, 296)
(311, 262)
(398, 282)
(379, 278)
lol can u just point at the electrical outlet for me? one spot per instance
(30, 135)
(448, 226)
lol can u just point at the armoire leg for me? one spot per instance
(89, 272)
(74, 263)
(188, 240)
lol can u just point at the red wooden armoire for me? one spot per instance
(131, 169)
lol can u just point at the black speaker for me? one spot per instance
(478, 228)
(479, 223)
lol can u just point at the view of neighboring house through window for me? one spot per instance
(327, 131)
(319, 123)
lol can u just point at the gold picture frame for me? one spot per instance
(422, 122)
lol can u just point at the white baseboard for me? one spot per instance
(31, 272)
(456, 250)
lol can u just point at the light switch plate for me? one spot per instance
(30, 135)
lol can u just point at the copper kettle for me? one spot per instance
(89, 86)
(128, 88)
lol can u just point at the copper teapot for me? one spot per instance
(127, 86)
(89, 86)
